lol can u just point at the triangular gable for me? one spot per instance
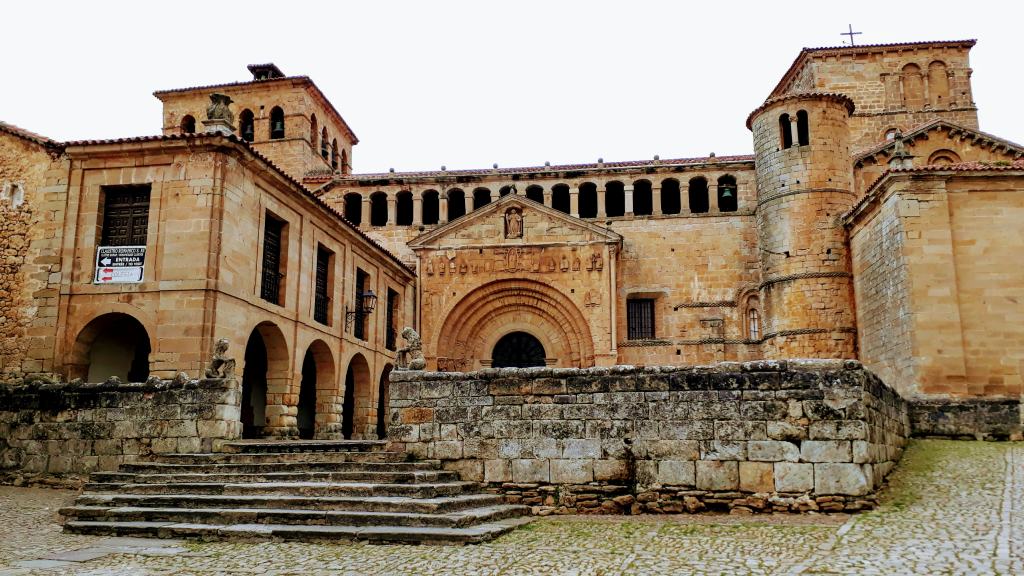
(540, 225)
(954, 132)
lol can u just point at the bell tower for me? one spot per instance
(804, 184)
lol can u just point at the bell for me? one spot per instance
(727, 193)
(278, 126)
(248, 134)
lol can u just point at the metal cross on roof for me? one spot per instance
(851, 34)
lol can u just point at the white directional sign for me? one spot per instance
(120, 264)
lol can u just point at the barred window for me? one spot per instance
(270, 285)
(640, 318)
(322, 289)
(125, 215)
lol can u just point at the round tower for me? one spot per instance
(804, 184)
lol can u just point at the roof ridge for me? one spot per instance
(28, 135)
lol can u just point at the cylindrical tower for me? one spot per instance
(804, 184)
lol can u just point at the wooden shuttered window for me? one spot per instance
(270, 285)
(125, 215)
(321, 298)
(640, 319)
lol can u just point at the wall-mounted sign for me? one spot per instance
(120, 264)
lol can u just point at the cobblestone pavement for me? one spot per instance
(952, 508)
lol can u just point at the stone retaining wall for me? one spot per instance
(757, 436)
(76, 428)
(980, 418)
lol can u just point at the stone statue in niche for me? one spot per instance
(550, 263)
(596, 263)
(441, 268)
(410, 356)
(220, 108)
(513, 223)
(592, 299)
(512, 259)
(565, 263)
(576, 264)
(220, 365)
(430, 266)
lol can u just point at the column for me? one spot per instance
(713, 196)
(495, 194)
(392, 209)
(684, 198)
(547, 196)
(627, 191)
(655, 200)
(442, 208)
(574, 200)
(417, 208)
(601, 212)
(365, 224)
(467, 198)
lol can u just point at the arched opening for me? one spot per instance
(354, 208)
(753, 318)
(247, 125)
(913, 87)
(265, 370)
(383, 399)
(890, 134)
(535, 193)
(728, 197)
(803, 129)
(306, 414)
(588, 200)
(344, 162)
(614, 199)
(671, 203)
(518, 350)
(456, 204)
(943, 158)
(560, 199)
(378, 209)
(643, 202)
(113, 344)
(698, 195)
(403, 208)
(481, 198)
(313, 128)
(785, 131)
(504, 191)
(323, 143)
(938, 84)
(431, 207)
(188, 124)
(334, 154)
(357, 398)
(276, 123)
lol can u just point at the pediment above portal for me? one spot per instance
(514, 221)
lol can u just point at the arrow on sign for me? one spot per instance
(105, 261)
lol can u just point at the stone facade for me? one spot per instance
(971, 418)
(61, 428)
(760, 435)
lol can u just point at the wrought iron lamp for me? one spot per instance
(365, 304)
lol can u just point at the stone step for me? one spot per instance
(425, 490)
(460, 519)
(218, 468)
(382, 456)
(377, 477)
(396, 504)
(372, 534)
(279, 446)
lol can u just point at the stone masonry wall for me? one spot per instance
(756, 436)
(76, 428)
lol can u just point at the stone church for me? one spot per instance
(874, 220)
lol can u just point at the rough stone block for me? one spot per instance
(446, 450)
(786, 431)
(575, 471)
(610, 470)
(841, 478)
(724, 450)
(772, 451)
(530, 470)
(793, 477)
(757, 477)
(676, 473)
(825, 451)
(581, 448)
(717, 475)
(497, 470)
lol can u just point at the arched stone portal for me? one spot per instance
(358, 398)
(473, 326)
(265, 383)
(518, 350)
(113, 344)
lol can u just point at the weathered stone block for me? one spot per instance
(446, 450)
(676, 473)
(497, 470)
(757, 477)
(825, 451)
(717, 475)
(571, 471)
(786, 431)
(610, 470)
(841, 478)
(793, 477)
(581, 448)
(772, 451)
(530, 470)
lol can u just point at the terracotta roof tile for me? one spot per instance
(850, 106)
(931, 125)
(28, 135)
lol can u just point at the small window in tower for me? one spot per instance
(276, 123)
(247, 125)
(324, 144)
(640, 318)
(313, 128)
(456, 203)
(535, 193)
(588, 200)
(891, 133)
(753, 324)
(803, 130)
(698, 195)
(403, 208)
(727, 194)
(354, 208)
(786, 131)
(378, 209)
(188, 124)
(481, 198)
(431, 207)
(614, 199)
(561, 200)
(643, 199)
(334, 154)
(670, 200)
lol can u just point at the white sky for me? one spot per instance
(467, 84)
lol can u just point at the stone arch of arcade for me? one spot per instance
(319, 407)
(115, 343)
(265, 383)
(475, 324)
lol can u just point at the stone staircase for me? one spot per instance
(301, 490)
